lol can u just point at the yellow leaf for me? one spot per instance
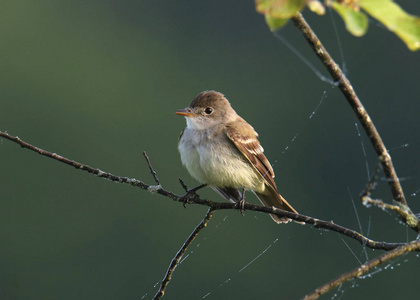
(275, 23)
(316, 7)
(404, 25)
(356, 21)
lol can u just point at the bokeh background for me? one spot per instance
(99, 81)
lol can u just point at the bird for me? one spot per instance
(220, 149)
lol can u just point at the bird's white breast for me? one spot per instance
(215, 160)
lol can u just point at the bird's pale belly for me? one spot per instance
(219, 166)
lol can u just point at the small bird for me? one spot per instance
(222, 150)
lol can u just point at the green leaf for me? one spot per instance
(278, 12)
(406, 26)
(316, 7)
(275, 23)
(356, 21)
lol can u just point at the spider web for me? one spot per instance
(365, 221)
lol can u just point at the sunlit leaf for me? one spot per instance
(406, 26)
(275, 23)
(278, 12)
(356, 21)
(316, 7)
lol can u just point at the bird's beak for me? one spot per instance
(185, 112)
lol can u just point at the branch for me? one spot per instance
(195, 199)
(401, 209)
(413, 246)
(361, 113)
(95, 171)
(181, 252)
(152, 171)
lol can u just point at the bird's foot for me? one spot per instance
(241, 203)
(190, 194)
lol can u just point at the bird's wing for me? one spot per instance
(230, 194)
(247, 143)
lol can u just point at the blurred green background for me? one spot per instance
(99, 81)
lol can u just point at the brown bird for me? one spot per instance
(221, 149)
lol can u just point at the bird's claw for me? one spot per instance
(190, 194)
(240, 205)
(189, 197)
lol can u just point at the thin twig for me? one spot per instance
(361, 113)
(190, 193)
(330, 225)
(366, 267)
(371, 184)
(403, 210)
(184, 186)
(151, 168)
(175, 261)
(317, 223)
(95, 171)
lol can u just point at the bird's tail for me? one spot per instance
(273, 198)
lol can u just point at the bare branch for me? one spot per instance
(372, 182)
(347, 89)
(95, 171)
(401, 209)
(317, 223)
(413, 246)
(175, 261)
(151, 169)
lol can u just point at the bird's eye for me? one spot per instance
(208, 110)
